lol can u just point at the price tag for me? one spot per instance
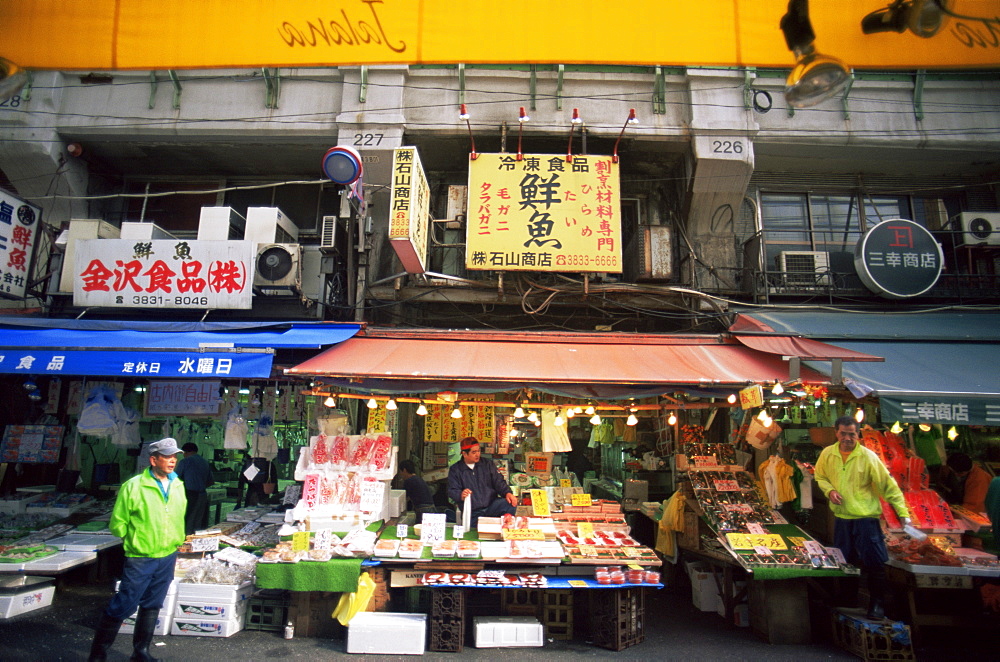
(585, 529)
(300, 541)
(458, 532)
(581, 500)
(756, 527)
(633, 566)
(231, 541)
(749, 541)
(704, 460)
(726, 486)
(402, 531)
(565, 482)
(540, 503)
(372, 495)
(837, 554)
(588, 550)
(631, 551)
(764, 551)
(577, 583)
(205, 544)
(323, 539)
(490, 574)
(813, 547)
(737, 507)
(522, 534)
(797, 541)
(251, 472)
(432, 527)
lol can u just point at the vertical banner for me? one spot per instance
(19, 226)
(409, 215)
(542, 213)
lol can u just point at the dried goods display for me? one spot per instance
(730, 500)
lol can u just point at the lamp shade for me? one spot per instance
(342, 164)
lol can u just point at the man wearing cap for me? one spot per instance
(149, 518)
(491, 496)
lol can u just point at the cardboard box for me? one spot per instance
(22, 603)
(215, 593)
(508, 632)
(704, 589)
(209, 611)
(196, 627)
(386, 633)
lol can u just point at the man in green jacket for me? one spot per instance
(853, 478)
(149, 518)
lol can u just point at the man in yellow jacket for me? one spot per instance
(853, 478)
(149, 518)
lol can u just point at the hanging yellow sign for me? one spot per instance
(409, 210)
(540, 212)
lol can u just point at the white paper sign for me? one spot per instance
(813, 547)
(205, 544)
(755, 527)
(251, 471)
(765, 551)
(372, 495)
(458, 532)
(402, 531)
(432, 527)
(837, 554)
(467, 513)
(323, 539)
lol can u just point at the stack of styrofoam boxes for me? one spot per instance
(385, 633)
(704, 589)
(507, 631)
(397, 502)
(211, 610)
(27, 593)
(162, 619)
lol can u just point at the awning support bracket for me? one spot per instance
(363, 87)
(918, 94)
(559, 86)
(659, 92)
(152, 89)
(177, 88)
(533, 86)
(461, 83)
(272, 84)
(847, 94)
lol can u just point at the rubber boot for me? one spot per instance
(107, 630)
(877, 588)
(145, 623)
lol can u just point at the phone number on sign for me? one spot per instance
(163, 301)
(577, 260)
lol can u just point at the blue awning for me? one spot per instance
(154, 349)
(939, 367)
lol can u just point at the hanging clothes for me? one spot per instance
(776, 475)
(671, 523)
(555, 438)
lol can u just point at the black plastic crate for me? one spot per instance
(267, 610)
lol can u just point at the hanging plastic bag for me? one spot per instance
(351, 603)
(98, 415)
(235, 434)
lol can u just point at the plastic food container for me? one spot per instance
(652, 577)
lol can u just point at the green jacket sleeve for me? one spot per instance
(889, 489)
(822, 474)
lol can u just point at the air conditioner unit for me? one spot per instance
(278, 267)
(979, 228)
(269, 224)
(804, 268)
(328, 232)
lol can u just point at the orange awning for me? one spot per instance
(415, 361)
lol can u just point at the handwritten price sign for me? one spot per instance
(581, 500)
(523, 534)
(751, 540)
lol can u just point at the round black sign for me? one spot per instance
(898, 259)
(26, 215)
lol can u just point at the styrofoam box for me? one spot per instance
(171, 589)
(199, 627)
(508, 632)
(20, 603)
(209, 611)
(163, 620)
(214, 592)
(387, 633)
(397, 502)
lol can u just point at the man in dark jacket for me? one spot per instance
(491, 496)
(197, 476)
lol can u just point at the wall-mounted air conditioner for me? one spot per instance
(804, 268)
(270, 225)
(979, 228)
(328, 232)
(278, 267)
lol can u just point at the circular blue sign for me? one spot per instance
(898, 259)
(342, 165)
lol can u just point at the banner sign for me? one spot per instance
(172, 398)
(898, 259)
(409, 216)
(542, 213)
(19, 224)
(164, 273)
(136, 363)
(947, 410)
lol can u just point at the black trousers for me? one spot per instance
(196, 516)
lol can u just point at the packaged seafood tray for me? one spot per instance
(410, 549)
(386, 548)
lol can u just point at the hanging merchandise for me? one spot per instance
(264, 444)
(776, 475)
(235, 435)
(126, 430)
(98, 416)
(555, 438)
(602, 433)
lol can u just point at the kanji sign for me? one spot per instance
(164, 273)
(171, 398)
(19, 224)
(136, 363)
(931, 408)
(898, 259)
(409, 215)
(542, 213)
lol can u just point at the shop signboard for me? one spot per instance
(19, 226)
(178, 398)
(538, 212)
(947, 410)
(409, 210)
(898, 259)
(136, 363)
(164, 273)
(751, 396)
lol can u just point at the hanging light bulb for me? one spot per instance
(390, 404)
(833, 401)
(731, 399)
(30, 385)
(519, 413)
(559, 420)
(578, 410)
(924, 427)
(570, 412)
(859, 414)
(533, 416)
(767, 420)
(590, 410)
(330, 402)
(513, 432)
(538, 424)
(896, 428)
(595, 419)
(456, 412)
(777, 389)
(422, 409)
(672, 419)
(372, 404)
(817, 403)
(763, 415)
(631, 420)
(953, 433)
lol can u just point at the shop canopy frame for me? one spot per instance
(570, 365)
(940, 366)
(144, 349)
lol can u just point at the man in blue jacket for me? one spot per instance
(149, 518)
(491, 496)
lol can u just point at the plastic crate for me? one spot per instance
(557, 614)
(447, 622)
(267, 610)
(520, 602)
(872, 640)
(617, 617)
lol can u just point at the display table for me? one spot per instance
(335, 575)
(937, 597)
